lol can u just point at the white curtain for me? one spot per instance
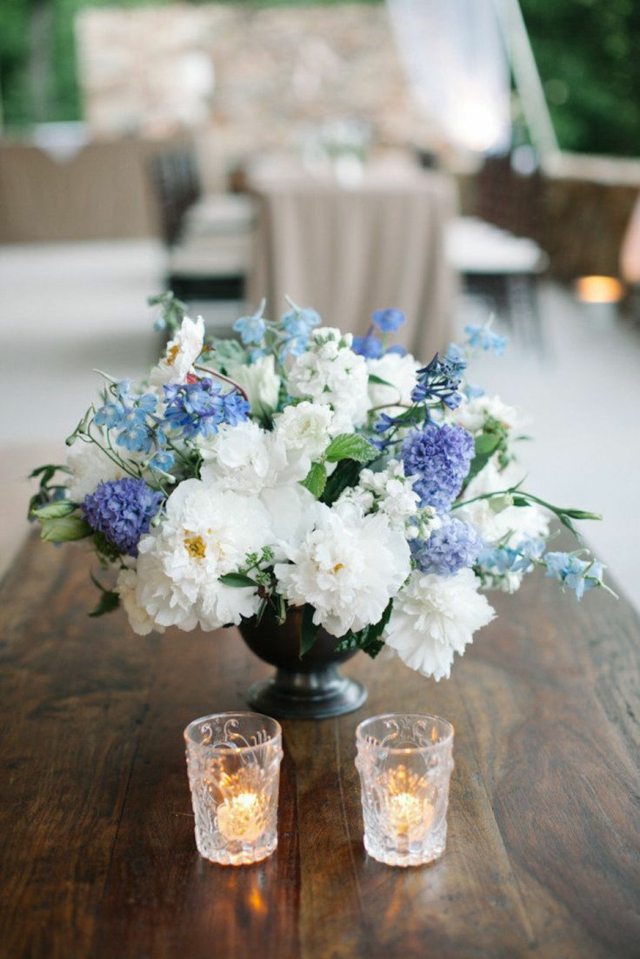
(456, 63)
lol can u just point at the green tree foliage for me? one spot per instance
(588, 55)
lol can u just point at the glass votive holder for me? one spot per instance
(405, 764)
(233, 761)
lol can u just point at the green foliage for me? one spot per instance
(368, 639)
(238, 580)
(64, 529)
(308, 630)
(316, 479)
(588, 55)
(350, 446)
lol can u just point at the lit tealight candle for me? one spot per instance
(408, 811)
(241, 817)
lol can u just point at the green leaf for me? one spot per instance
(378, 381)
(350, 446)
(486, 444)
(239, 580)
(345, 474)
(55, 510)
(46, 472)
(308, 631)
(315, 480)
(108, 601)
(64, 529)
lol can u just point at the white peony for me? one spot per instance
(434, 617)
(207, 532)
(293, 512)
(181, 353)
(400, 372)
(245, 458)
(331, 374)
(472, 413)
(261, 383)
(89, 466)
(493, 525)
(348, 567)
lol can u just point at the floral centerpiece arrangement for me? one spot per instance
(298, 467)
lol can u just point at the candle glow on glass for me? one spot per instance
(408, 812)
(599, 289)
(241, 817)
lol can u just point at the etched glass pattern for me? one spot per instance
(233, 761)
(405, 764)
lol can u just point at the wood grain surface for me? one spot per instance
(98, 858)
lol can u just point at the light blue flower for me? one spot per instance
(300, 321)
(577, 574)
(369, 346)
(483, 337)
(252, 328)
(163, 460)
(388, 321)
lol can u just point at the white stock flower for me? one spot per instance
(434, 617)
(207, 532)
(331, 374)
(492, 525)
(400, 372)
(261, 383)
(389, 491)
(181, 353)
(472, 413)
(348, 567)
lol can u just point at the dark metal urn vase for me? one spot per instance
(310, 687)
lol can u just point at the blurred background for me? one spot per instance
(452, 159)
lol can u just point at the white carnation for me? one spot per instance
(348, 567)
(434, 617)
(261, 384)
(181, 353)
(207, 532)
(331, 374)
(400, 372)
(472, 413)
(517, 521)
(139, 620)
(305, 429)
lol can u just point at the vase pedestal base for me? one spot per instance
(307, 695)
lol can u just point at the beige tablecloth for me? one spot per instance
(349, 251)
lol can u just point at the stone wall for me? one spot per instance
(279, 73)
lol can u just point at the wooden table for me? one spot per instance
(98, 858)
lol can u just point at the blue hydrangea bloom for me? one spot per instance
(485, 339)
(388, 320)
(440, 457)
(369, 346)
(578, 574)
(122, 510)
(452, 547)
(200, 408)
